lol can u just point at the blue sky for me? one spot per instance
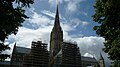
(79, 9)
(75, 20)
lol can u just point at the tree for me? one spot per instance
(2, 48)
(115, 64)
(107, 14)
(12, 15)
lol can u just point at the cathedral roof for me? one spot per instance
(88, 59)
(5, 63)
(22, 50)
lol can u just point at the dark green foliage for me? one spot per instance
(3, 47)
(115, 64)
(107, 14)
(12, 15)
(4, 56)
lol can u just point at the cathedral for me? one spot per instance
(67, 54)
(61, 53)
(59, 56)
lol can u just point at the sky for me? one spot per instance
(75, 20)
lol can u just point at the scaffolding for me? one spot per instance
(38, 57)
(71, 56)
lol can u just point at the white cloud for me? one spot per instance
(52, 14)
(84, 13)
(49, 13)
(73, 5)
(25, 36)
(84, 23)
(90, 44)
(77, 22)
(66, 27)
(40, 20)
(31, 10)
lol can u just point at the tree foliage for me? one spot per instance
(12, 15)
(115, 64)
(2, 48)
(107, 14)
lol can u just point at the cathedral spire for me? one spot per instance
(56, 38)
(57, 22)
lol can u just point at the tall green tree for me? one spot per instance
(12, 15)
(115, 64)
(107, 14)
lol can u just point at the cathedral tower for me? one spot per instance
(56, 37)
